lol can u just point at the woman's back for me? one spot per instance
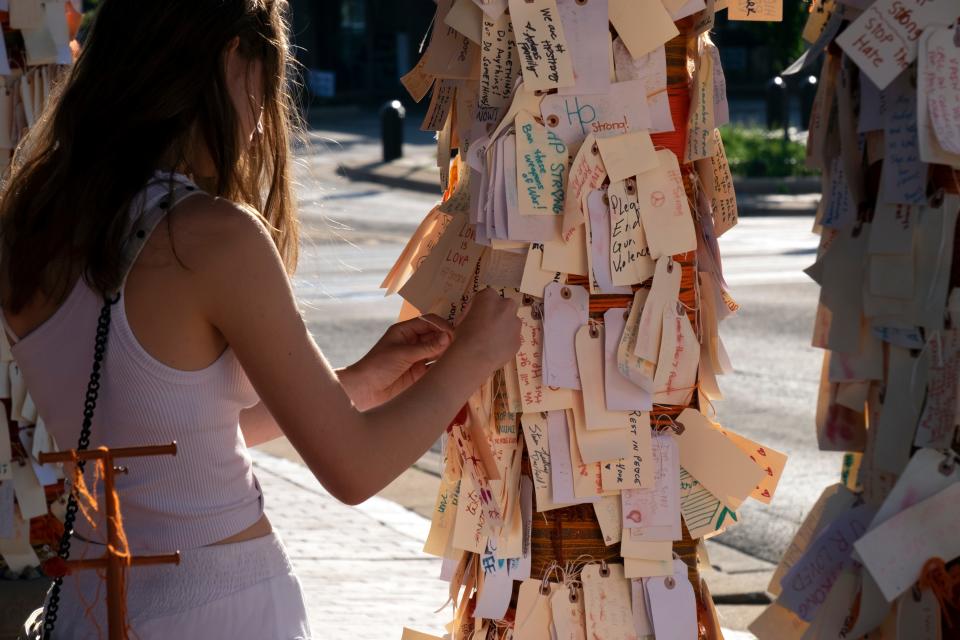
(207, 492)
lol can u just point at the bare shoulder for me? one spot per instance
(214, 233)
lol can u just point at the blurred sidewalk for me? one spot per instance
(365, 576)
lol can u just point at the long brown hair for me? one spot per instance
(148, 87)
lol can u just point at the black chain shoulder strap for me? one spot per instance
(89, 405)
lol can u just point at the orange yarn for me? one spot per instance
(945, 585)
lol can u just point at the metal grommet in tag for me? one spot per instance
(527, 299)
(669, 582)
(947, 466)
(544, 586)
(141, 234)
(917, 594)
(604, 569)
(606, 200)
(594, 330)
(164, 204)
(678, 428)
(857, 229)
(595, 149)
(565, 293)
(190, 187)
(626, 314)
(670, 264)
(936, 200)
(573, 594)
(552, 121)
(581, 2)
(631, 186)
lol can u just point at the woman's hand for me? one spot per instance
(398, 360)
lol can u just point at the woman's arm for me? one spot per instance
(247, 297)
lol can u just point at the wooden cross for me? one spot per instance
(113, 561)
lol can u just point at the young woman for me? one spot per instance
(160, 175)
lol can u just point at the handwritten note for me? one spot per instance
(883, 40)
(621, 393)
(703, 513)
(569, 615)
(444, 275)
(586, 174)
(664, 209)
(598, 255)
(534, 396)
(441, 102)
(574, 117)
(770, 460)
(499, 68)
(450, 53)
(941, 67)
(542, 165)
(630, 261)
(938, 422)
(761, 10)
(717, 182)
(904, 175)
(676, 374)
(607, 600)
(545, 59)
(656, 511)
(565, 310)
(701, 123)
(809, 581)
(538, 449)
(627, 154)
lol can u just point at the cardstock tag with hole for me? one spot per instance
(533, 611)
(664, 209)
(565, 311)
(587, 28)
(630, 261)
(665, 291)
(606, 595)
(534, 395)
(643, 25)
(598, 255)
(597, 445)
(655, 511)
(631, 366)
(589, 347)
(651, 69)
(535, 435)
(608, 514)
(641, 615)
(586, 173)
(561, 467)
(569, 614)
(542, 165)
(918, 615)
(499, 68)
(713, 459)
(546, 60)
(672, 604)
(575, 117)
(676, 375)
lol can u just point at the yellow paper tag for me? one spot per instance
(542, 165)
(545, 59)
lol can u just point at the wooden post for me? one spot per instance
(114, 561)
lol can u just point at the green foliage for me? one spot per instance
(759, 153)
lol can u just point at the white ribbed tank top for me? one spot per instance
(208, 491)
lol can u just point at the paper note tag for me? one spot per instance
(938, 422)
(918, 615)
(542, 167)
(940, 64)
(904, 174)
(892, 229)
(441, 103)
(561, 469)
(18, 391)
(535, 278)
(587, 477)
(607, 598)
(545, 59)
(492, 8)
(8, 512)
(761, 10)
(569, 614)
(633, 367)
(565, 310)
(444, 509)
(16, 551)
(630, 261)
(599, 255)
(643, 25)
(586, 27)
(29, 491)
(450, 54)
(466, 17)
(609, 517)
(923, 531)
(627, 154)
(717, 181)
(534, 395)
(714, 460)
(665, 290)
(673, 605)
(805, 585)
(586, 174)
(619, 111)
(621, 393)
(770, 460)
(701, 123)
(664, 208)
(636, 568)
(471, 522)
(642, 623)
(883, 40)
(538, 447)
(655, 511)
(496, 587)
(634, 546)
(499, 68)
(444, 275)
(595, 446)
(676, 374)
(589, 346)
(721, 108)
(533, 611)
(703, 513)
(651, 70)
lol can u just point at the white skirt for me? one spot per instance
(236, 591)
